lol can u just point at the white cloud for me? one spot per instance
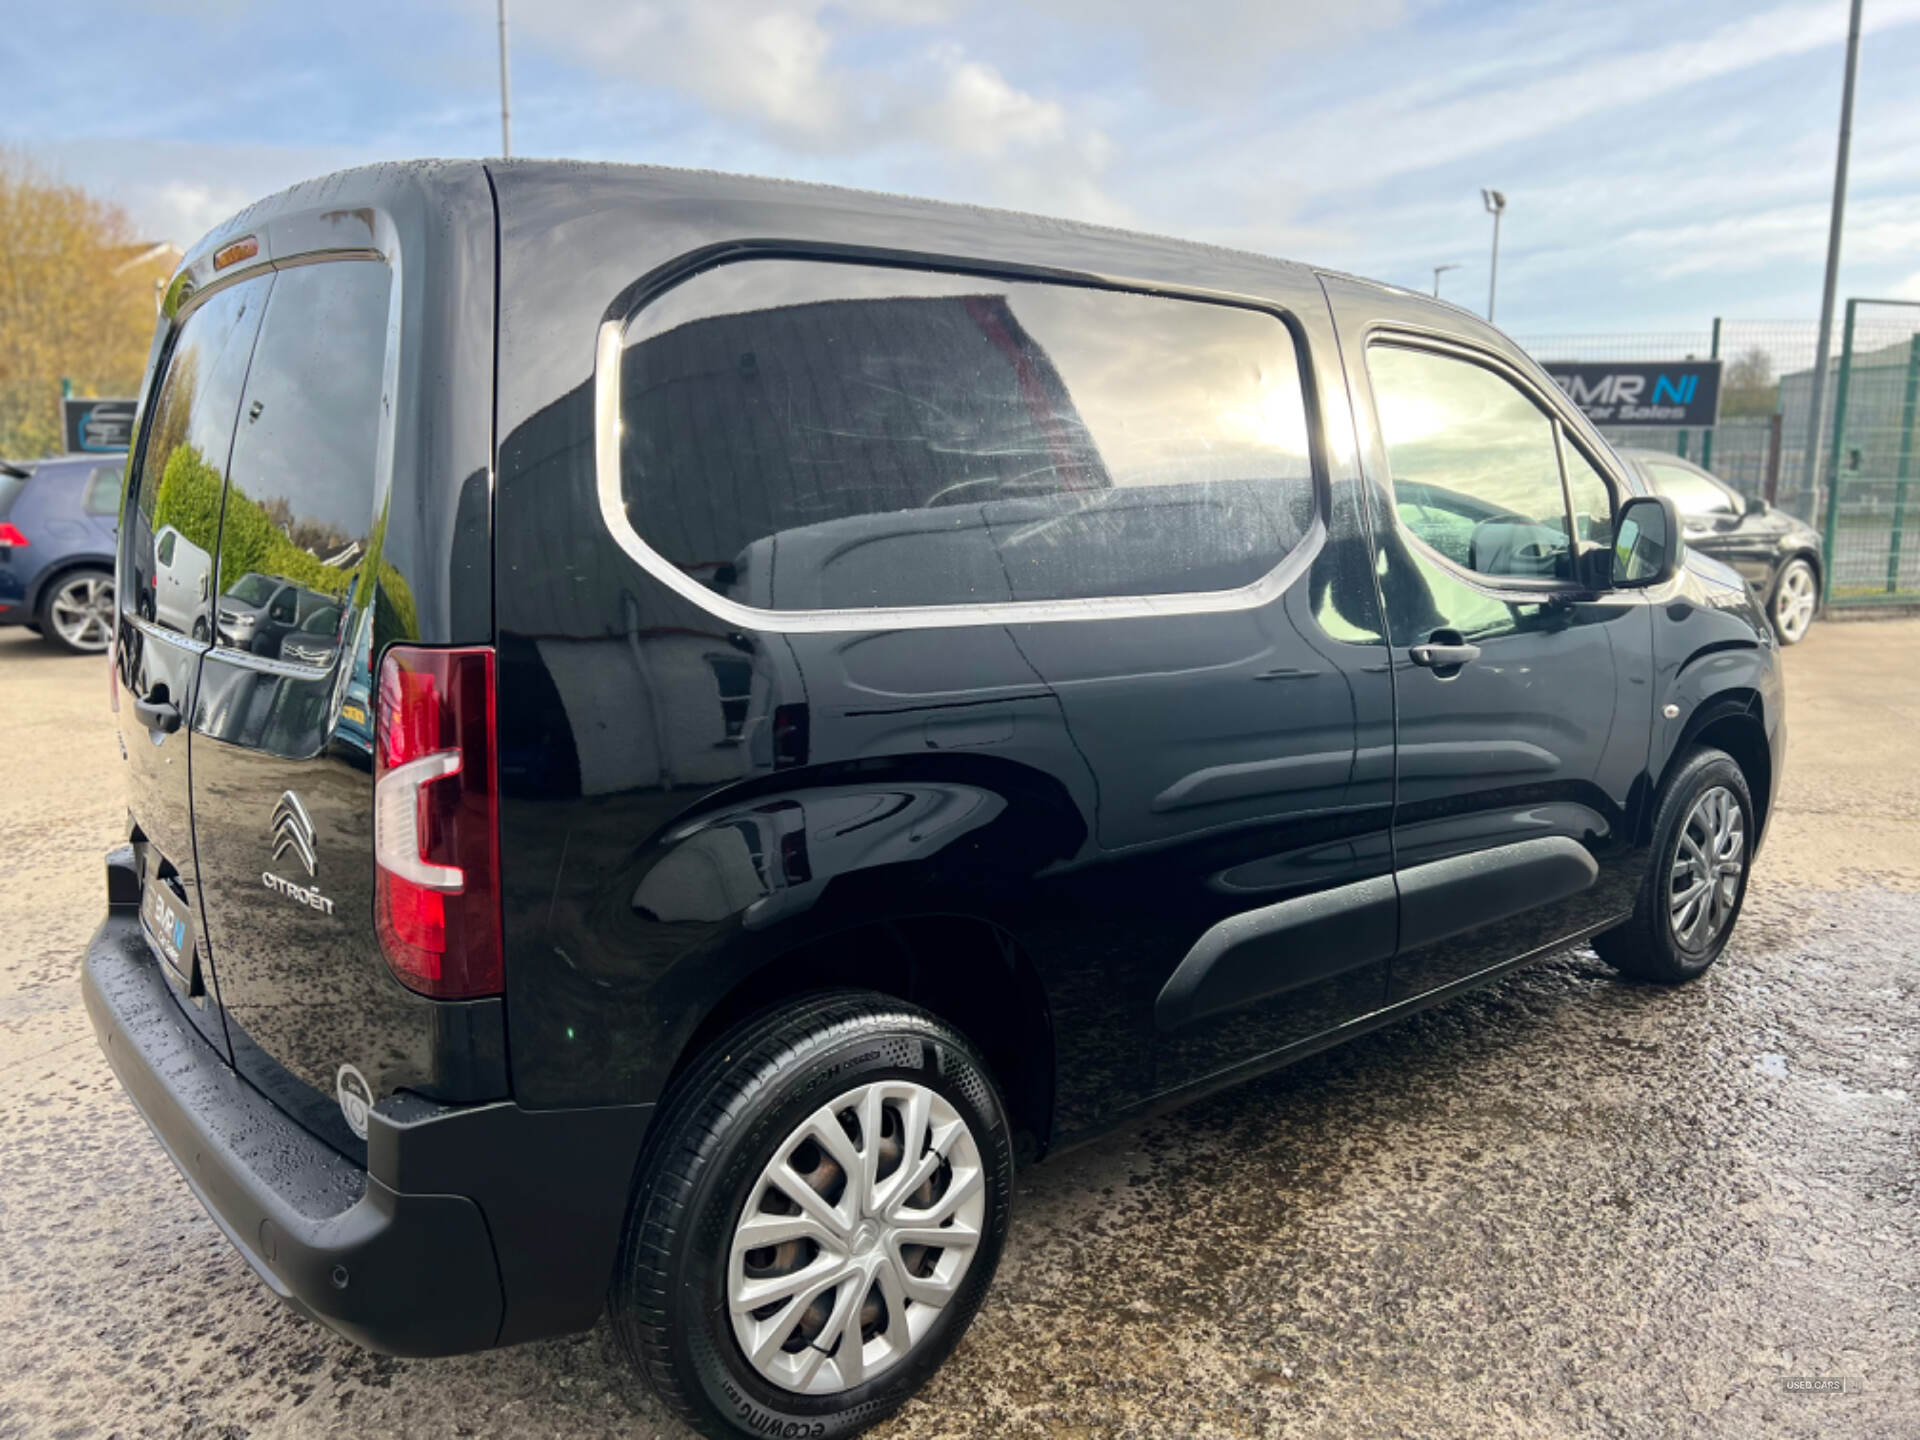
(1510, 96)
(766, 61)
(982, 115)
(174, 191)
(1205, 50)
(184, 210)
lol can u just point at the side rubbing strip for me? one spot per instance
(1261, 953)
(1448, 897)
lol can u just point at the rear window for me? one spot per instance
(10, 488)
(103, 491)
(803, 435)
(299, 525)
(184, 458)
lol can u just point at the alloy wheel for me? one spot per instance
(81, 612)
(1793, 605)
(855, 1236)
(1708, 863)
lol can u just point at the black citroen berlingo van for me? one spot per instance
(789, 701)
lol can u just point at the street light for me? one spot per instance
(506, 122)
(1496, 204)
(1438, 271)
(1817, 408)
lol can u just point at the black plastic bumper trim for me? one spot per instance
(406, 1274)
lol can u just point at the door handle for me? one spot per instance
(1445, 653)
(157, 715)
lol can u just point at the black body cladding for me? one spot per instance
(1101, 733)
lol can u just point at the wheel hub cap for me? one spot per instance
(1709, 860)
(854, 1238)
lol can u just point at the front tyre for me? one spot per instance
(1702, 853)
(819, 1216)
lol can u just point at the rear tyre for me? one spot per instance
(1702, 854)
(77, 614)
(1796, 599)
(818, 1218)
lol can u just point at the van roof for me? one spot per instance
(678, 183)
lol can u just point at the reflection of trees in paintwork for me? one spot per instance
(189, 499)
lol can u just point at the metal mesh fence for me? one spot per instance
(1869, 448)
(1757, 447)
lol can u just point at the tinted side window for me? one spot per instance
(176, 489)
(300, 499)
(1475, 469)
(1691, 493)
(803, 435)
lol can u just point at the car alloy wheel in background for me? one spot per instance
(1796, 595)
(79, 613)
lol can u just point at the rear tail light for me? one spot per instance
(10, 534)
(436, 831)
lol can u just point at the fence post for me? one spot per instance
(1775, 423)
(1706, 441)
(1833, 454)
(1906, 464)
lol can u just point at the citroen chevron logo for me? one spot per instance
(293, 830)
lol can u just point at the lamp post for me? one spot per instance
(506, 123)
(1817, 400)
(1438, 271)
(1496, 204)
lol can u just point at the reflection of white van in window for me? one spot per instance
(182, 572)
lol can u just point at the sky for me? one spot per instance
(1664, 162)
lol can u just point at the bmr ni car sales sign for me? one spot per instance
(1634, 392)
(95, 425)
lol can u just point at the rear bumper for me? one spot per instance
(471, 1226)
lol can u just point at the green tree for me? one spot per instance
(76, 302)
(1750, 387)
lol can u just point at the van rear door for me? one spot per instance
(174, 501)
(283, 789)
(309, 605)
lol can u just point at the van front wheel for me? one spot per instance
(819, 1217)
(1703, 839)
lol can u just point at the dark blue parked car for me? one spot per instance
(57, 524)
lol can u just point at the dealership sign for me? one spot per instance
(96, 425)
(1633, 392)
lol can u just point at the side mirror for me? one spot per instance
(1647, 543)
(1757, 506)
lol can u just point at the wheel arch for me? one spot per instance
(56, 570)
(964, 970)
(1733, 721)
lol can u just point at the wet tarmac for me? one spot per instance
(1562, 1205)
